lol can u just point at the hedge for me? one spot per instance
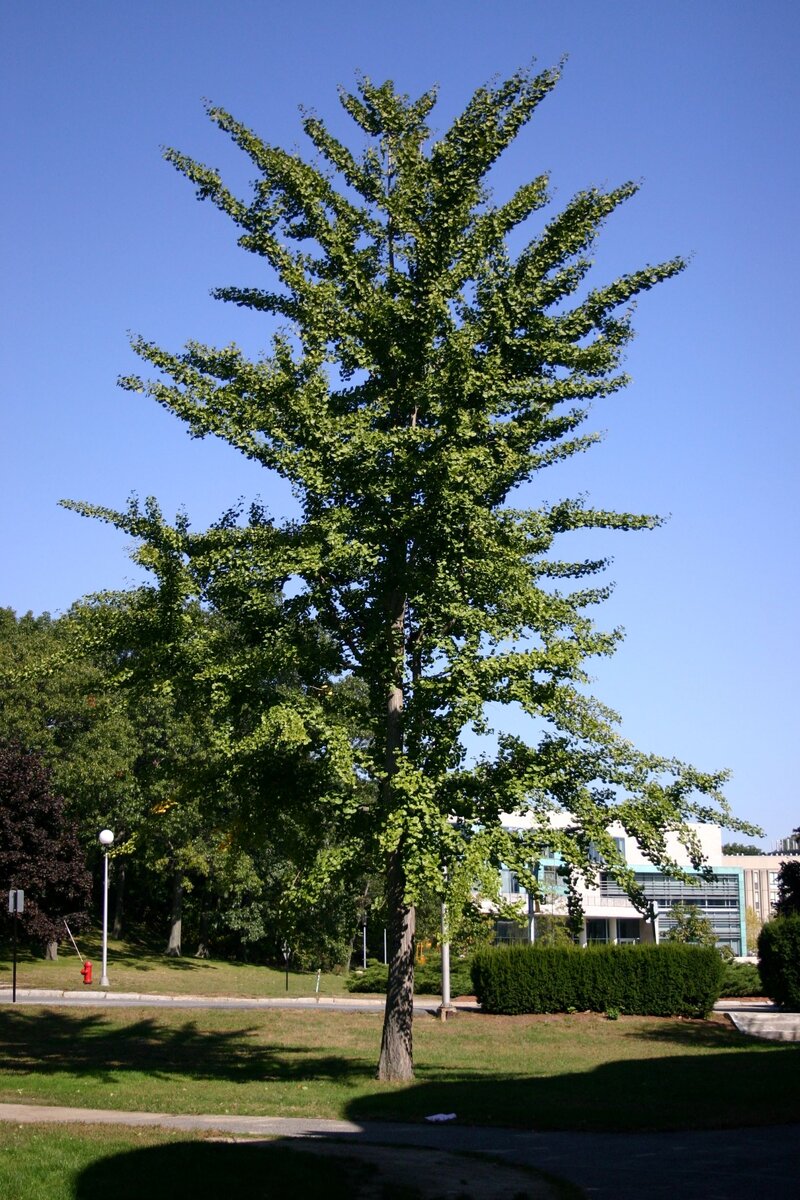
(672, 979)
(779, 961)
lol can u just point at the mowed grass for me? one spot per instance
(577, 1071)
(133, 967)
(65, 1162)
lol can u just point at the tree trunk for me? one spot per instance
(51, 950)
(175, 920)
(396, 1063)
(202, 940)
(119, 897)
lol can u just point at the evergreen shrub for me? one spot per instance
(741, 979)
(427, 978)
(667, 980)
(779, 961)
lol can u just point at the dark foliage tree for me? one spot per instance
(40, 851)
(788, 903)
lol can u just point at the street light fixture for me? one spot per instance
(105, 838)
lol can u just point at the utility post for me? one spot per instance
(16, 906)
(446, 1008)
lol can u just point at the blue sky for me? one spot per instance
(697, 100)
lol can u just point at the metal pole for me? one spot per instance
(14, 979)
(446, 1006)
(445, 959)
(364, 945)
(104, 976)
(385, 955)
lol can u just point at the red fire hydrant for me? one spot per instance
(86, 972)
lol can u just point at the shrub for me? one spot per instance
(667, 980)
(779, 961)
(741, 979)
(373, 979)
(427, 979)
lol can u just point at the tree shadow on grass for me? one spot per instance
(94, 1045)
(710, 1035)
(194, 1170)
(699, 1091)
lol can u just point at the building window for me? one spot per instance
(628, 931)
(509, 932)
(549, 879)
(619, 842)
(596, 930)
(509, 884)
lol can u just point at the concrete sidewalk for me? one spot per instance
(762, 1019)
(150, 1000)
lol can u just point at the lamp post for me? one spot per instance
(105, 838)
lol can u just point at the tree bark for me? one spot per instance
(51, 950)
(119, 897)
(396, 1063)
(175, 920)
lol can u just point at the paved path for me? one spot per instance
(718, 1165)
(102, 999)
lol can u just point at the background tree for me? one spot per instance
(689, 925)
(753, 927)
(741, 848)
(424, 374)
(788, 903)
(56, 698)
(227, 665)
(39, 850)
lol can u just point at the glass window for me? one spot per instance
(628, 930)
(619, 842)
(509, 883)
(549, 879)
(596, 930)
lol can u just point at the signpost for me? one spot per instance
(16, 905)
(287, 951)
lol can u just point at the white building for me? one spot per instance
(609, 915)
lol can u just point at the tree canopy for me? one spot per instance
(421, 372)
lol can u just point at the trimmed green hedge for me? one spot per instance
(779, 961)
(667, 980)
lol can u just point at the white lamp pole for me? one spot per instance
(106, 838)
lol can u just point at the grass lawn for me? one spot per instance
(576, 1071)
(135, 968)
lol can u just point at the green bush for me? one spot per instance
(741, 979)
(779, 961)
(427, 978)
(666, 980)
(373, 979)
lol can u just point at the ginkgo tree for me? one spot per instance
(419, 373)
